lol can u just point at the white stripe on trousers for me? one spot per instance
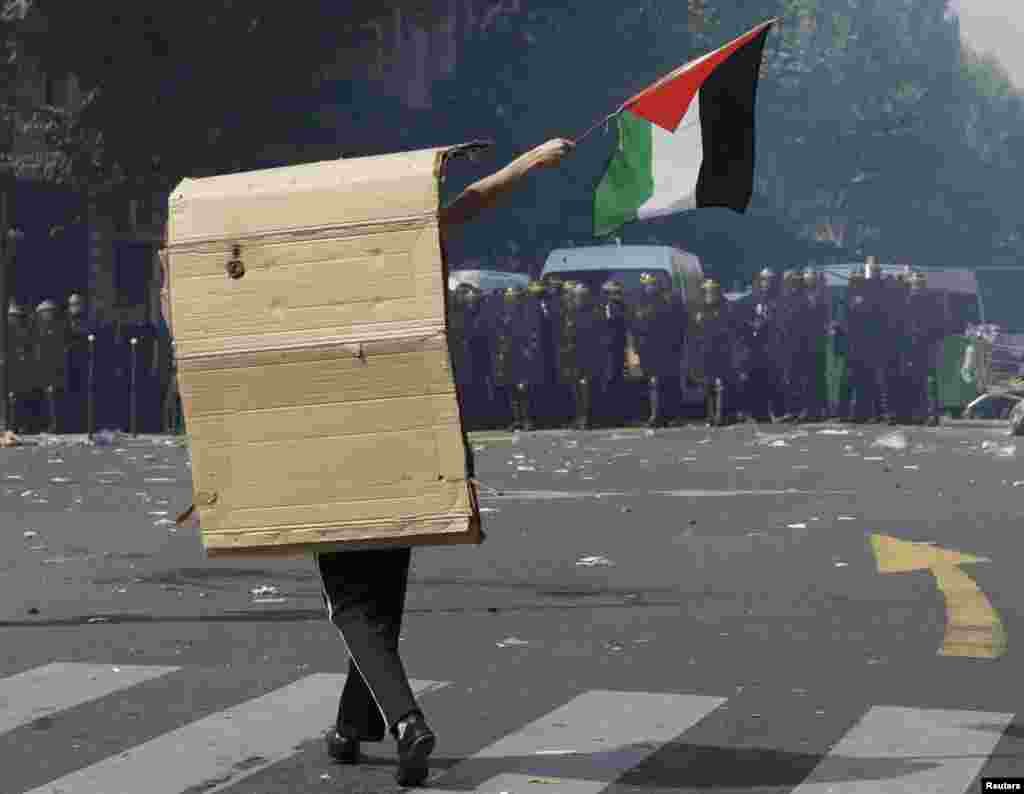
(348, 648)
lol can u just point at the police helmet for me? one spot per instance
(612, 289)
(514, 294)
(580, 291)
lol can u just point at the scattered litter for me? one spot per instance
(796, 526)
(509, 641)
(264, 590)
(897, 441)
(591, 562)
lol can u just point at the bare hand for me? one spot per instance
(551, 153)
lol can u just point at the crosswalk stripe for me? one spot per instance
(36, 693)
(584, 745)
(222, 749)
(913, 751)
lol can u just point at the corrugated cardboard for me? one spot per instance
(308, 308)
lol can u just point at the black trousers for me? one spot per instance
(364, 592)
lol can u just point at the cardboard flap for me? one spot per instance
(348, 192)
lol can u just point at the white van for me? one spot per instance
(487, 280)
(593, 265)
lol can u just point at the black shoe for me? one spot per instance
(415, 744)
(342, 749)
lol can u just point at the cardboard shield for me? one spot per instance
(308, 309)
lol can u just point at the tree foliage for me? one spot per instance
(877, 131)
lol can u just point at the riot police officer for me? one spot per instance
(658, 326)
(613, 342)
(813, 334)
(49, 345)
(719, 346)
(921, 334)
(557, 396)
(518, 361)
(863, 384)
(763, 396)
(790, 306)
(583, 359)
(77, 353)
(536, 359)
(21, 371)
(461, 322)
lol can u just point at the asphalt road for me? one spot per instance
(676, 611)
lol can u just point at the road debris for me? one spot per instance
(896, 440)
(591, 562)
(264, 590)
(511, 641)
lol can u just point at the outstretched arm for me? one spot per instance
(488, 191)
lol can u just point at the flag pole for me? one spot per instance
(598, 124)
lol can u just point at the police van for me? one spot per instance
(675, 268)
(596, 264)
(960, 295)
(487, 281)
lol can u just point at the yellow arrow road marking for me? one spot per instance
(973, 627)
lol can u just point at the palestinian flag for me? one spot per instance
(687, 141)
